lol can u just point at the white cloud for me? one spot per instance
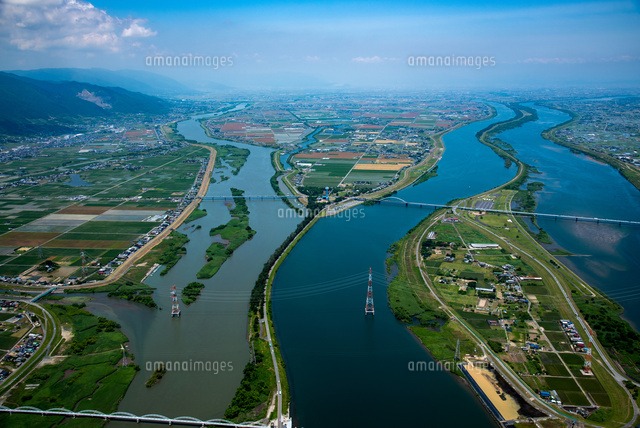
(578, 60)
(137, 30)
(554, 60)
(372, 59)
(38, 25)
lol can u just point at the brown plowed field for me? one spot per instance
(26, 239)
(79, 209)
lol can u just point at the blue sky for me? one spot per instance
(334, 43)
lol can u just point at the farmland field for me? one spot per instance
(568, 390)
(328, 172)
(125, 194)
(553, 364)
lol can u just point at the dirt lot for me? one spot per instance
(77, 209)
(86, 244)
(380, 166)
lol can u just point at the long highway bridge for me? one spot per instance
(249, 197)
(129, 417)
(394, 200)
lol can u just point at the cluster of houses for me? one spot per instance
(23, 349)
(9, 305)
(33, 280)
(573, 336)
(27, 346)
(551, 396)
(629, 158)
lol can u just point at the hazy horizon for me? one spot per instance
(353, 45)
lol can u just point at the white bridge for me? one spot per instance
(129, 417)
(248, 197)
(399, 201)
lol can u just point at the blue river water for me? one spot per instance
(605, 255)
(348, 370)
(308, 139)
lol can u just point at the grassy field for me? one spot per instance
(90, 377)
(196, 214)
(568, 390)
(327, 172)
(553, 364)
(369, 179)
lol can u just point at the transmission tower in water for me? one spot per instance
(368, 307)
(175, 307)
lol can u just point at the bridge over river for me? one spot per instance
(394, 200)
(128, 417)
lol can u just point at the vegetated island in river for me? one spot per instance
(196, 214)
(191, 292)
(234, 233)
(156, 376)
(233, 156)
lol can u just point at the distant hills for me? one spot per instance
(30, 106)
(131, 80)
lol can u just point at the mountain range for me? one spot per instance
(131, 80)
(30, 106)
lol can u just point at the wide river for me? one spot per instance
(345, 369)
(348, 370)
(604, 255)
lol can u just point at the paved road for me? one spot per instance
(275, 367)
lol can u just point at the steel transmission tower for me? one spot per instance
(368, 307)
(83, 256)
(175, 307)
